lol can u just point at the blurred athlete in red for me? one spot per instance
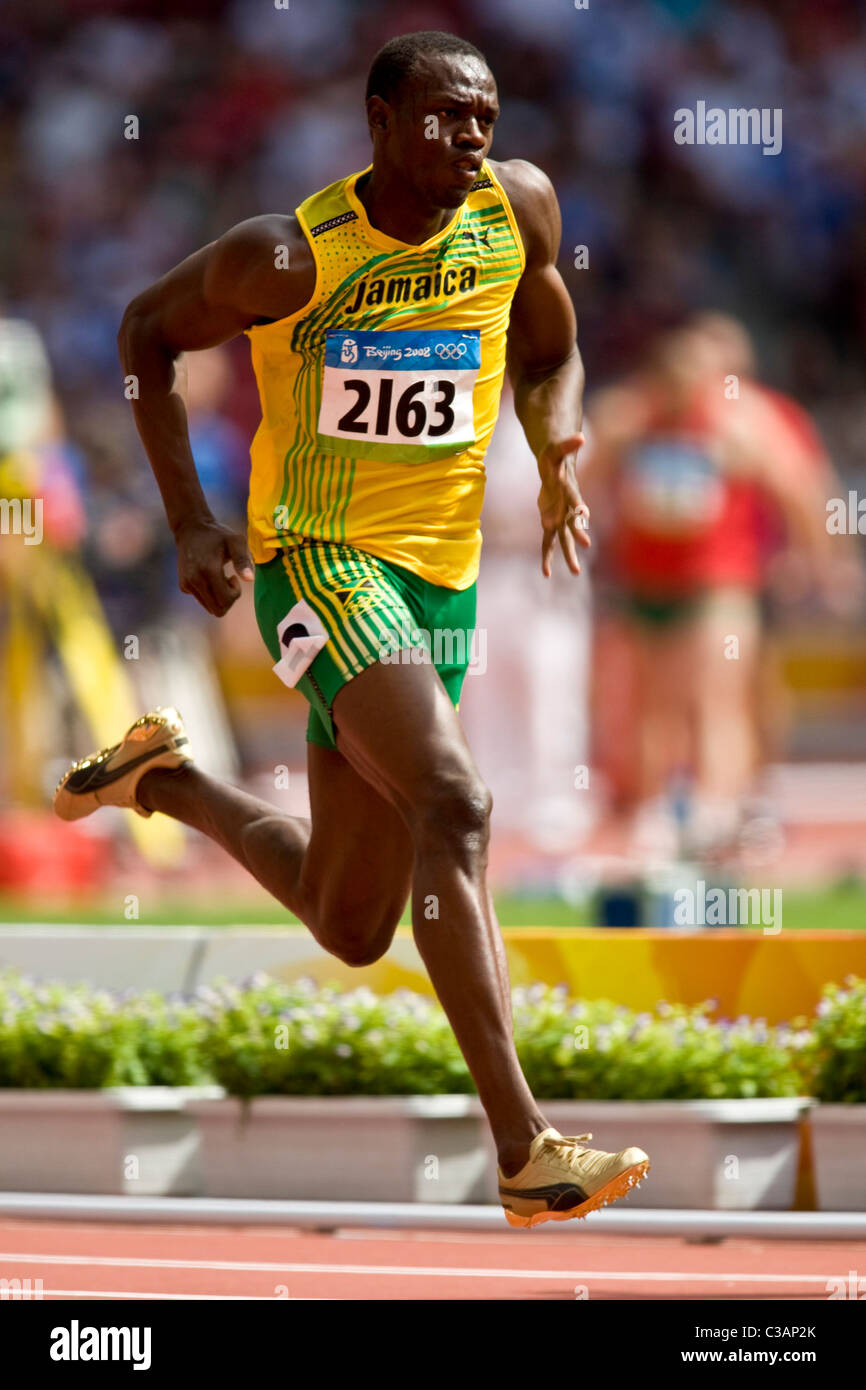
(688, 453)
(786, 569)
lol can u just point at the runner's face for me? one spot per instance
(685, 361)
(442, 128)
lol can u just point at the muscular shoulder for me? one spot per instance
(264, 263)
(535, 205)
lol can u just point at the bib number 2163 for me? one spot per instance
(406, 396)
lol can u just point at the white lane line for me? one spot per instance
(422, 1271)
(177, 1297)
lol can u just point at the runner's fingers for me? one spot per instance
(569, 550)
(205, 588)
(231, 579)
(579, 525)
(225, 588)
(547, 543)
(240, 557)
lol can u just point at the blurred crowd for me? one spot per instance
(132, 134)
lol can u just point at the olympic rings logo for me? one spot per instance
(451, 350)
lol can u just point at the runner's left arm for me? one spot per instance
(544, 364)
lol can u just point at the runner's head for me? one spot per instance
(731, 340)
(680, 363)
(431, 105)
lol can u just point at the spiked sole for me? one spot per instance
(619, 1186)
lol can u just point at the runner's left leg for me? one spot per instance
(346, 876)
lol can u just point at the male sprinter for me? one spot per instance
(378, 318)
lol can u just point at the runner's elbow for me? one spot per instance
(139, 334)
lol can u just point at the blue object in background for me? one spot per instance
(621, 906)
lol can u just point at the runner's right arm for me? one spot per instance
(210, 297)
(799, 488)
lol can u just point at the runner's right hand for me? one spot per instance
(204, 550)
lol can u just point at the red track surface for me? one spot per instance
(77, 1261)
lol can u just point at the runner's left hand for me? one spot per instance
(563, 511)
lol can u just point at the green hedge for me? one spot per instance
(599, 1051)
(837, 1047)
(266, 1037)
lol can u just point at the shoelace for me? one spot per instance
(556, 1145)
(567, 1139)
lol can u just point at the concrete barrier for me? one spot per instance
(134, 1140)
(775, 977)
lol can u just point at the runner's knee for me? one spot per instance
(357, 934)
(453, 810)
(358, 951)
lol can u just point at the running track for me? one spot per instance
(76, 1260)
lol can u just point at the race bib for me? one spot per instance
(672, 488)
(403, 396)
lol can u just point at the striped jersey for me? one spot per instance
(380, 395)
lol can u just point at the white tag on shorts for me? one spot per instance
(302, 637)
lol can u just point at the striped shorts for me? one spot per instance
(327, 611)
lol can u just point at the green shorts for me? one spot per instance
(327, 611)
(662, 612)
(732, 600)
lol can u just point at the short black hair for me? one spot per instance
(398, 59)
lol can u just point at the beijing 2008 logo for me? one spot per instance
(349, 352)
(452, 350)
